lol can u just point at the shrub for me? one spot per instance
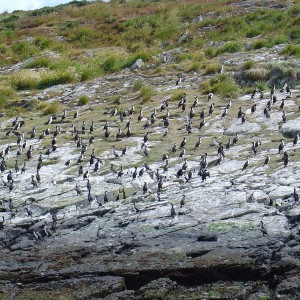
(23, 49)
(230, 47)
(42, 106)
(110, 65)
(195, 67)
(256, 74)
(24, 80)
(54, 78)
(146, 93)
(210, 52)
(212, 68)
(52, 108)
(83, 100)
(177, 95)
(283, 70)
(262, 85)
(6, 95)
(32, 104)
(138, 85)
(43, 42)
(248, 64)
(292, 50)
(40, 62)
(222, 85)
(260, 44)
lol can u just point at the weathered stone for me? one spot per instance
(291, 128)
(137, 65)
(260, 197)
(247, 127)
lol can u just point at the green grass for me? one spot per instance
(7, 94)
(83, 100)
(249, 64)
(256, 74)
(222, 85)
(292, 50)
(52, 108)
(55, 78)
(146, 93)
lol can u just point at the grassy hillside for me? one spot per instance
(80, 41)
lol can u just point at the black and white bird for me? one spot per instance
(246, 164)
(281, 146)
(173, 212)
(262, 228)
(267, 160)
(295, 140)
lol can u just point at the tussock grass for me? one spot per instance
(52, 108)
(257, 73)
(292, 50)
(83, 100)
(212, 68)
(222, 85)
(7, 95)
(146, 93)
(249, 64)
(24, 80)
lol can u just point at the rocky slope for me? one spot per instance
(59, 243)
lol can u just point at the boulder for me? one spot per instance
(137, 65)
(242, 128)
(260, 197)
(291, 128)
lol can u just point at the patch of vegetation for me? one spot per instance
(52, 108)
(256, 74)
(7, 94)
(138, 85)
(212, 68)
(283, 70)
(24, 80)
(262, 86)
(222, 85)
(249, 64)
(292, 50)
(54, 78)
(40, 62)
(83, 100)
(146, 93)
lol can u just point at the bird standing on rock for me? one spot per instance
(173, 212)
(262, 228)
(246, 164)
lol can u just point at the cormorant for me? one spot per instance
(267, 160)
(246, 164)
(253, 108)
(281, 146)
(262, 228)
(197, 145)
(173, 212)
(145, 188)
(105, 197)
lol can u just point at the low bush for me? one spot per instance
(249, 64)
(212, 68)
(52, 108)
(7, 94)
(222, 85)
(292, 50)
(83, 100)
(24, 80)
(146, 93)
(54, 78)
(40, 62)
(256, 74)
